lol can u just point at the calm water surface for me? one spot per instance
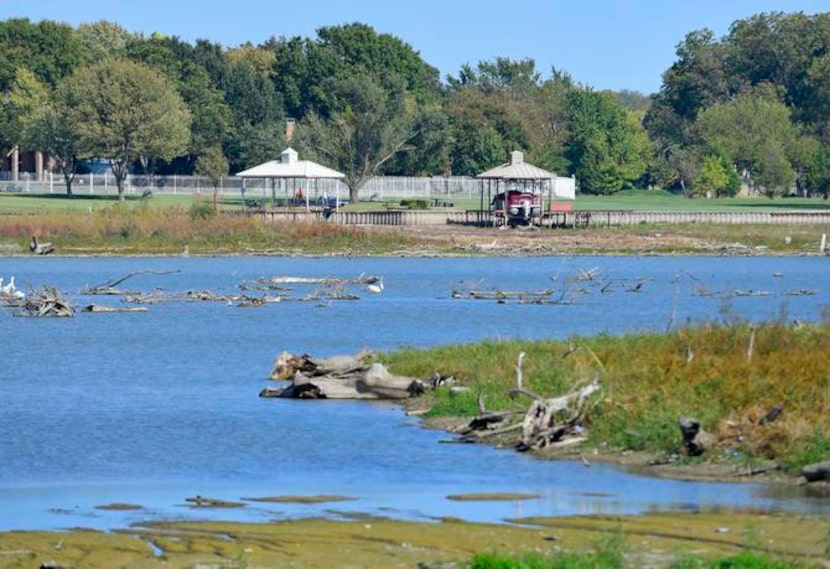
(151, 408)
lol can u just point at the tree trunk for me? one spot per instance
(375, 382)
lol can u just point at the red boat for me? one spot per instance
(516, 207)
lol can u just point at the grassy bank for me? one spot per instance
(726, 376)
(143, 227)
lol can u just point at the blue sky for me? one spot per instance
(607, 44)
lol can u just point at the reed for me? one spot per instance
(145, 229)
(650, 379)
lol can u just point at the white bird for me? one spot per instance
(10, 288)
(376, 287)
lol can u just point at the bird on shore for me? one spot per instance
(40, 248)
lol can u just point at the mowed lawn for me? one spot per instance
(636, 200)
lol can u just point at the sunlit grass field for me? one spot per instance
(635, 200)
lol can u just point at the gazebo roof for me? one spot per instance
(517, 169)
(288, 166)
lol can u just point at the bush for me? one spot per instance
(415, 204)
(202, 211)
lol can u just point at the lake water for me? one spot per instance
(151, 408)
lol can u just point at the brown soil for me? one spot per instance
(523, 241)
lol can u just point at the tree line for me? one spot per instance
(751, 107)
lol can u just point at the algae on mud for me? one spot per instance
(654, 540)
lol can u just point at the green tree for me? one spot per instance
(755, 132)
(484, 132)
(608, 147)
(26, 94)
(192, 72)
(102, 39)
(304, 67)
(213, 165)
(368, 129)
(717, 177)
(818, 175)
(48, 129)
(49, 49)
(121, 110)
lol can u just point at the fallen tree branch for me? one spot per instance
(109, 286)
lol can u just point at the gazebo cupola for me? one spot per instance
(289, 156)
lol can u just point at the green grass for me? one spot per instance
(636, 200)
(40, 203)
(648, 382)
(611, 560)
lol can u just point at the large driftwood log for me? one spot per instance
(98, 308)
(373, 382)
(287, 364)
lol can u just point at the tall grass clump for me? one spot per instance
(727, 377)
(140, 228)
(606, 554)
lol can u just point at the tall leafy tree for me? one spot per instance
(213, 165)
(102, 39)
(608, 147)
(48, 49)
(26, 95)
(121, 110)
(755, 132)
(369, 127)
(304, 66)
(41, 123)
(256, 107)
(190, 71)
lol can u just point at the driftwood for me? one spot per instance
(547, 422)
(98, 308)
(38, 248)
(46, 302)
(286, 365)
(339, 377)
(328, 281)
(109, 286)
(328, 288)
(521, 297)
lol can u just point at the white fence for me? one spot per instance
(379, 187)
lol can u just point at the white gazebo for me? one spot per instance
(290, 171)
